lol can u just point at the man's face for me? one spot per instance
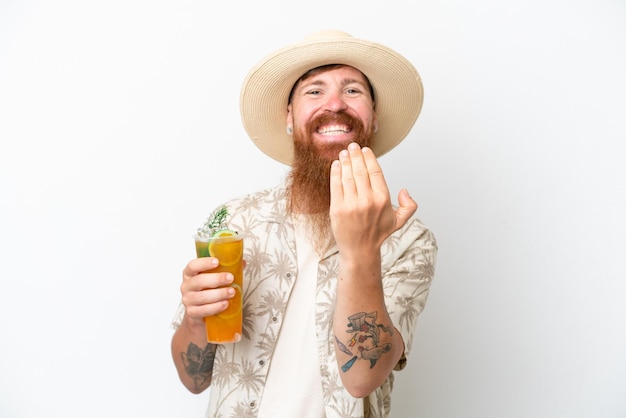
(331, 109)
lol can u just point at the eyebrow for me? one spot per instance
(344, 82)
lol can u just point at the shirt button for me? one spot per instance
(289, 275)
(262, 362)
(274, 319)
(252, 404)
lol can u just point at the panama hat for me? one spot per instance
(398, 90)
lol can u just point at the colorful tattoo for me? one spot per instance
(199, 363)
(366, 338)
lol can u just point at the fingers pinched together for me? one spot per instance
(361, 213)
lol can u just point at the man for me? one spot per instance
(335, 275)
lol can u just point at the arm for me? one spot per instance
(192, 355)
(367, 345)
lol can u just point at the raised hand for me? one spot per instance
(361, 213)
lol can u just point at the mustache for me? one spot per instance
(340, 117)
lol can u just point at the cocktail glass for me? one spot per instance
(225, 327)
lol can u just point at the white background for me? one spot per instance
(119, 118)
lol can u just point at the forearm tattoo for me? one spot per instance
(364, 339)
(199, 363)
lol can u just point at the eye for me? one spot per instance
(353, 91)
(313, 92)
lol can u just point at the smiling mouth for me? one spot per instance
(334, 130)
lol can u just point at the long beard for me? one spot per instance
(309, 179)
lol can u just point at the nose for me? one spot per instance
(335, 102)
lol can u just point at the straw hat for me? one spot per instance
(397, 88)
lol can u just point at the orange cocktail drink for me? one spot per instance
(225, 327)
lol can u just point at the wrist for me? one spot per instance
(193, 325)
(363, 259)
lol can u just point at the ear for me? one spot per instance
(289, 120)
(289, 115)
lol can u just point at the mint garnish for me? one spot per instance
(215, 222)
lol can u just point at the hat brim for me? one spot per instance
(397, 86)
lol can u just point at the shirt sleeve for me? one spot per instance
(178, 316)
(409, 258)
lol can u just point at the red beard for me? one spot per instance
(310, 173)
(309, 179)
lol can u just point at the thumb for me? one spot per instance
(406, 209)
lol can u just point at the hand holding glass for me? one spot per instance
(225, 327)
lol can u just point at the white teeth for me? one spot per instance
(333, 130)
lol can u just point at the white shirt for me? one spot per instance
(294, 387)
